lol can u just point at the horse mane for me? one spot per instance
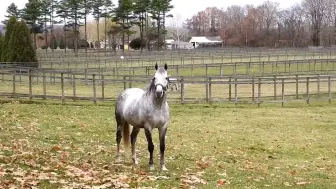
(150, 87)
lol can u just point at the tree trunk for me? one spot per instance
(105, 32)
(141, 31)
(98, 33)
(45, 33)
(158, 30)
(65, 37)
(123, 35)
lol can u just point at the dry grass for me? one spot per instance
(51, 145)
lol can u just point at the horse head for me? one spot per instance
(160, 80)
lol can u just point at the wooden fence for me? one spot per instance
(234, 89)
(88, 61)
(301, 67)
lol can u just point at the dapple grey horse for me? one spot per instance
(146, 109)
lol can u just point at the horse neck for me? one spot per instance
(158, 103)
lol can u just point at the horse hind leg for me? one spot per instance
(134, 135)
(118, 140)
(120, 127)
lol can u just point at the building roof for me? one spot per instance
(203, 39)
(169, 41)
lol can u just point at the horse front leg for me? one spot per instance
(148, 133)
(162, 135)
(133, 141)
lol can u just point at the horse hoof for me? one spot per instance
(151, 168)
(163, 168)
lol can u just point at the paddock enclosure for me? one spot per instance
(240, 118)
(222, 75)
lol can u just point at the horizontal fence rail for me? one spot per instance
(97, 60)
(216, 69)
(182, 89)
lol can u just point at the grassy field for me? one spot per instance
(49, 145)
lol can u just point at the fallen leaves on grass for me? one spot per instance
(191, 180)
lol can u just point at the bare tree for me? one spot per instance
(291, 22)
(175, 29)
(315, 11)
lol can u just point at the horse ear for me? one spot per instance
(166, 67)
(156, 66)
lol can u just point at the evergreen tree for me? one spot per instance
(46, 12)
(20, 46)
(32, 16)
(9, 31)
(63, 12)
(107, 13)
(159, 9)
(62, 43)
(97, 6)
(123, 16)
(141, 10)
(75, 8)
(87, 9)
(12, 10)
(1, 42)
(53, 44)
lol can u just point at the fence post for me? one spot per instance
(210, 90)
(249, 68)
(14, 84)
(74, 87)
(94, 88)
(182, 90)
(103, 86)
(44, 86)
(308, 90)
(297, 87)
(85, 72)
(206, 69)
(130, 81)
(283, 91)
(125, 83)
(253, 89)
(259, 91)
(236, 92)
(30, 85)
(230, 89)
(318, 85)
(62, 87)
(221, 69)
(275, 88)
(206, 90)
(329, 89)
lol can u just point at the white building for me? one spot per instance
(202, 41)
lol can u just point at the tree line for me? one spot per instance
(309, 23)
(42, 15)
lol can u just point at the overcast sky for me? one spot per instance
(186, 8)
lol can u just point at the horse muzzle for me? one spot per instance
(160, 90)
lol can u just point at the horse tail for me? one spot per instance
(126, 135)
